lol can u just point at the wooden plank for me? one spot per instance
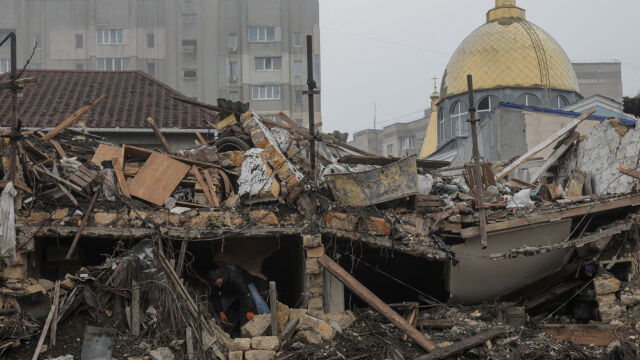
(629, 172)
(180, 264)
(158, 178)
(106, 153)
(462, 346)
(556, 155)
(585, 334)
(553, 138)
(382, 161)
(201, 138)
(117, 167)
(85, 220)
(191, 355)
(228, 121)
(203, 185)
(54, 321)
(45, 329)
(135, 308)
(365, 294)
(159, 135)
(591, 208)
(212, 188)
(58, 148)
(411, 319)
(273, 302)
(68, 121)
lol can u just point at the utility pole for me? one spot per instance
(312, 86)
(14, 106)
(478, 170)
(375, 126)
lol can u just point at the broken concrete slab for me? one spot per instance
(265, 343)
(241, 344)
(605, 283)
(259, 355)
(257, 326)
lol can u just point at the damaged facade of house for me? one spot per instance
(364, 249)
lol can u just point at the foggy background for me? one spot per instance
(389, 51)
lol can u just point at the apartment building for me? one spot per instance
(600, 78)
(397, 140)
(247, 50)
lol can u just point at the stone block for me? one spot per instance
(104, 219)
(273, 157)
(343, 319)
(315, 252)
(605, 300)
(236, 355)
(231, 159)
(340, 221)
(283, 316)
(257, 326)
(60, 214)
(611, 313)
(297, 314)
(374, 225)
(311, 240)
(37, 217)
(605, 283)
(258, 136)
(263, 218)
(313, 266)
(316, 303)
(15, 272)
(241, 344)
(630, 298)
(308, 337)
(265, 343)
(259, 355)
(318, 326)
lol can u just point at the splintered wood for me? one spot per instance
(158, 178)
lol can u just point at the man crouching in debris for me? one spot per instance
(235, 300)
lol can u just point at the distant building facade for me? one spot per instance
(248, 50)
(397, 140)
(600, 78)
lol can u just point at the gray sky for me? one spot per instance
(388, 51)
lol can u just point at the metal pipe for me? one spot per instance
(311, 84)
(476, 160)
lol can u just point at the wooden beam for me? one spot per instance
(411, 319)
(68, 121)
(212, 188)
(159, 135)
(533, 152)
(273, 302)
(201, 138)
(54, 321)
(365, 294)
(556, 155)
(203, 185)
(85, 220)
(117, 167)
(45, 329)
(135, 308)
(382, 161)
(19, 82)
(629, 172)
(58, 148)
(585, 334)
(578, 210)
(462, 346)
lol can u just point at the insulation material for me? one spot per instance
(520, 200)
(256, 178)
(282, 137)
(8, 224)
(601, 154)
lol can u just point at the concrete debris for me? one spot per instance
(162, 353)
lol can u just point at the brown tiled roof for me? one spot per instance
(132, 96)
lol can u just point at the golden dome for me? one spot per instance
(508, 51)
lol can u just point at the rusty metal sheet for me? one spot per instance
(390, 182)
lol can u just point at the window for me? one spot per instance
(262, 34)
(188, 19)
(110, 64)
(79, 66)
(265, 92)
(233, 69)
(189, 73)
(441, 126)
(109, 36)
(560, 102)
(79, 41)
(4, 66)
(233, 42)
(486, 105)
(297, 68)
(234, 96)
(408, 143)
(151, 40)
(389, 149)
(299, 122)
(297, 39)
(528, 100)
(37, 41)
(298, 97)
(151, 68)
(190, 46)
(458, 119)
(270, 63)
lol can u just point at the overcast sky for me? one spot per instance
(387, 52)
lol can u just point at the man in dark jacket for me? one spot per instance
(231, 297)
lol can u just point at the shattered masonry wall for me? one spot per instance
(608, 146)
(313, 271)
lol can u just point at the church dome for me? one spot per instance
(508, 51)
